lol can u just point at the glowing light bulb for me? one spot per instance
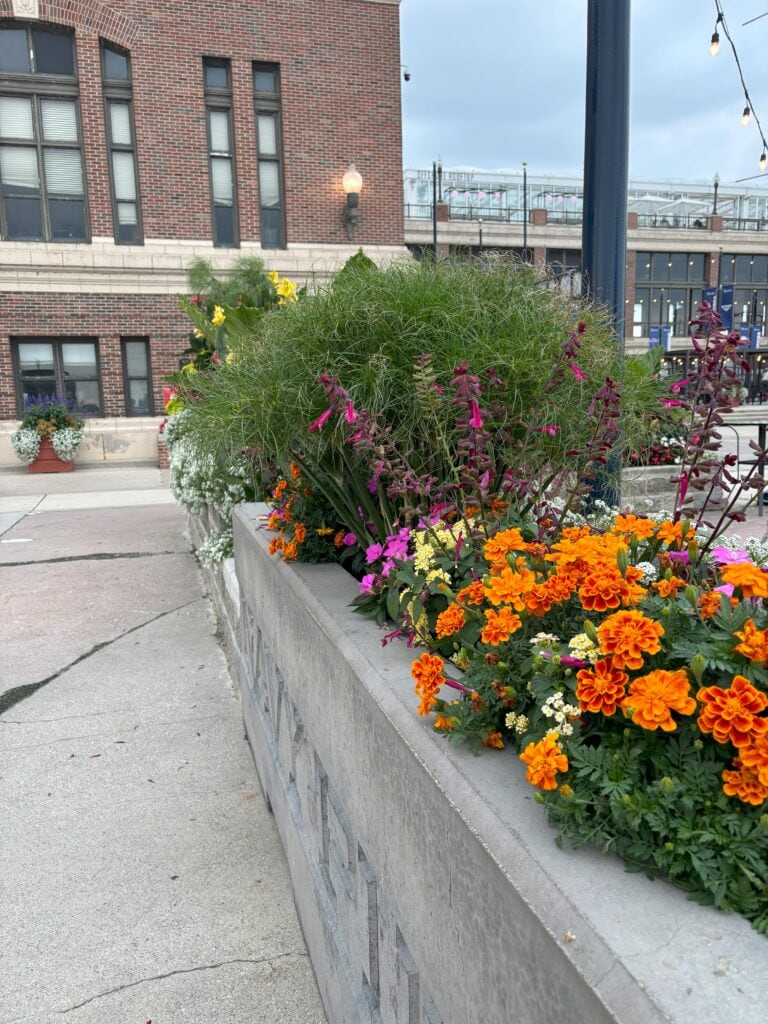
(763, 160)
(746, 116)
(714, 44)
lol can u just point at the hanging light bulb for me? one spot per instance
(746, 115)
(763, 160)
(714, 44)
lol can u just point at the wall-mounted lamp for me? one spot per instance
(352, 182)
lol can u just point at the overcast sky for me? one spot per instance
(496, 82)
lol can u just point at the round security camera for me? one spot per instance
(406, 75)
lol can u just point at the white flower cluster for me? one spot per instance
(582, 647)
(66, 442)
(215, 548)
(600, 515)
(26, 444)
(517, 722)
(545, 640)
(561, 713)
(650, 572)
(198, 480)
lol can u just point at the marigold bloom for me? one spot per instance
(607, 588)
(496, 549)
(273, 521)
(653, 696)
(672, 533)
(473, 593)
(640, 528)
(500, 626)
(709, 604)
(295, 471)
(745, 784)
(731, 715)
(544, 759)
(290, 551)
(449, 621)
(446, 723)
(279, 489)
(299, 533)
(275, 545)
(601, 689)
(751, 580)
(510, 587)
(428, 673)
(338, 539)
(754, 642)
(755, 756)
(494, 739)
(670, 587)
(627, 635)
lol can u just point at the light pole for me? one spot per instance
(716, 185)
(480, 231)
(525, 210)
(437, 170)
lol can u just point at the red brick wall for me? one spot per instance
(339, 62)
(104, 317)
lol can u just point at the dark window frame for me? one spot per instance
(124, 341)
(120, 90)
(659, 288)
(56, 342)
(36, 87)
(270, 103)
(219, 99)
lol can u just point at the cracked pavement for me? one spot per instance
(143, 877)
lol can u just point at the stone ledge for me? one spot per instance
(132, 439)
(427, 880)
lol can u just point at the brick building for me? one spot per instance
(135, 136)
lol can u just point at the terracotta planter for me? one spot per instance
(48, 461)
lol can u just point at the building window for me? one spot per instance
(68, 368)
(121, 141)
(749, 275)
(668, 289)
(137, 376)
(218, 113)
(266, 91)
(42, 185)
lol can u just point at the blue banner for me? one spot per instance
(725, 306)
(754, 336)
(666, 336)
(710, 296)
(653, 335)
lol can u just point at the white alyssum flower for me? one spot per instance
(561, 714)
(582, 647)
(544, 640)
(26, 444)
(66, 443)
(215, 548)
(650, 572)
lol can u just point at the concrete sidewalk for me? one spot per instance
(143, 877)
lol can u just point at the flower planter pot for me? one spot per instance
(428, 883)
(48, 461)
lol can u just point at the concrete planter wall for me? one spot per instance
(428, 883)
(639, 483)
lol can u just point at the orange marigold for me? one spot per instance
(732, 715)
(338, 540)
(640, 528)
(607, 588)
(428, 673)
(299, 533)
(494, 739)
(654, 696)
(473, 593)
(544, 759)
(500, 626)
(709, 604)
(450, 621)
(273, 521)
(672, 533)
(755, 756)
(751, 580)
(601, 689)
(279, 489)
(496, 549)
(627, 635)
(290, 551)
(754, 642)
(744, 783)
(670, 587)
(275, 545)
(295, 471)
(510, 587)
(445, 723)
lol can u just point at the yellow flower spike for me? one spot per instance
(273, 277)
(219, 316)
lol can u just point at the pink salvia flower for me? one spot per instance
(552, 431)
(476, 420)
(577, 373)
(678, 387)
(671, 403)
(349, 413)
(321, 421)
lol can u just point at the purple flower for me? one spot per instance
(350, 539)
(321, 421)
(386, 567)
(373, 553)
(679, 556)
(725, 588)
(724, 556)
(396, 548)
(367, 582)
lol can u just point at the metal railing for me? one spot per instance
(423, 211)
(675, 220)
(745, 224)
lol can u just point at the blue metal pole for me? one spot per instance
(606, 168)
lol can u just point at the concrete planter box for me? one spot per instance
(428, 883)
(648, 482)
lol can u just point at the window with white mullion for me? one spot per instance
(221, 158)
(121, 138)
(266, 85)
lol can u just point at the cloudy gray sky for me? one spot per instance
(496, 82)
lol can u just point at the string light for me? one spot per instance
(749, 109)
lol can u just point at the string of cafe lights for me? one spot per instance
(749, 111)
